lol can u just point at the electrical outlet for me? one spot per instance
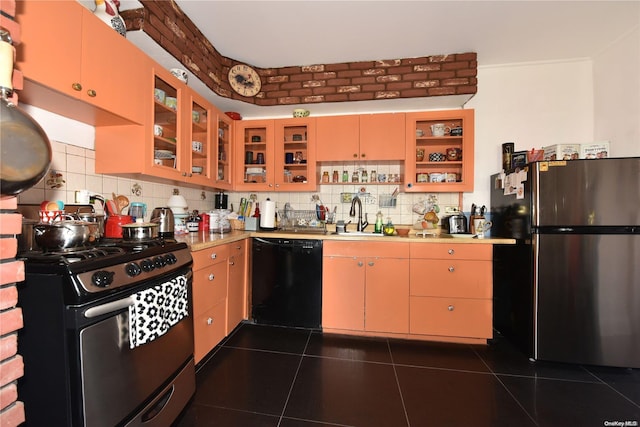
(451, 209)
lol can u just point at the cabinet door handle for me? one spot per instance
(360, 263)
(214, 256)
(371, 263)
(211, 277)
(76, 86)
(232, 261)
(209, 321)
(92, 93)
(184, 174)
(451, 252)
(450, 308)
(363, 155)
(451, 269)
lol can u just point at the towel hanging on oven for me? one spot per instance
(156, 310)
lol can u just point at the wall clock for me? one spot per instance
(244, 80)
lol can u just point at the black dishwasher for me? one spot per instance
(286, 284)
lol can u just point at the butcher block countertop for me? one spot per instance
(203, 240)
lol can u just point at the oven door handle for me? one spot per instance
(109, 307)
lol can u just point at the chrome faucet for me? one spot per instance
(360, 225)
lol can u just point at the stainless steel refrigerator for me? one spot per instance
(569, 290)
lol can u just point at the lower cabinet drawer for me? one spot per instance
(453, 317)
(209, 329)
(209, 287)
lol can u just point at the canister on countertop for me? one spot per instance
(203, 225)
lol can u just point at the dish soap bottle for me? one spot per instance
(378, 226)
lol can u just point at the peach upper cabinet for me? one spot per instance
(72, 60)
(364, 137)
(275, 155)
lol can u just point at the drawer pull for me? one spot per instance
(451, 252)
(451, 269)
(450, 308)
(371, 263)
(211, 276)
(209, 321)
(214, 255)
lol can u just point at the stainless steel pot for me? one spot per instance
(26, 151)
(66, 234)
(93, 217)
(27, 239)
(140, 231)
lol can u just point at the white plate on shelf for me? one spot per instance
(164, 154)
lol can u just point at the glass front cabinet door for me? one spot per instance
(224, 156)
(254, 155)
(439, 155)
(295, 154)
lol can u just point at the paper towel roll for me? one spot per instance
(268, 215)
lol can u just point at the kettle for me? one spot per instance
(455, 224)
(164, 218)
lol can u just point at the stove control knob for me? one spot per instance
(147, 265)
(170, 259)
(132, 269)
(102, 278)
(159, 261)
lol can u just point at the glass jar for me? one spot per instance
(325, 177)
(345, 176)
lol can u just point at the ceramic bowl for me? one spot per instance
(171, 102)
(437, 157)
(159, 95)
(234, 115)
(180, 74)
(300, 112)
(403, 232)
(195, 116)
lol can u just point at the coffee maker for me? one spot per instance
(221, 200)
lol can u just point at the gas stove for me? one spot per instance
(110, 266)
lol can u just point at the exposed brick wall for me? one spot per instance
(11, 271)
(437, 75)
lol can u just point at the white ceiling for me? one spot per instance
(291, 33)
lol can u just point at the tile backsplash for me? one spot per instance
(73, 168)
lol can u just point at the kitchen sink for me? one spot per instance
(358, 233)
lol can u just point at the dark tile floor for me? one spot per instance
(271, 376)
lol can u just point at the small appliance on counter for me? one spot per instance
(164, 218)
(455, 224)
(221, 200)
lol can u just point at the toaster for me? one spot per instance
(455, 224)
